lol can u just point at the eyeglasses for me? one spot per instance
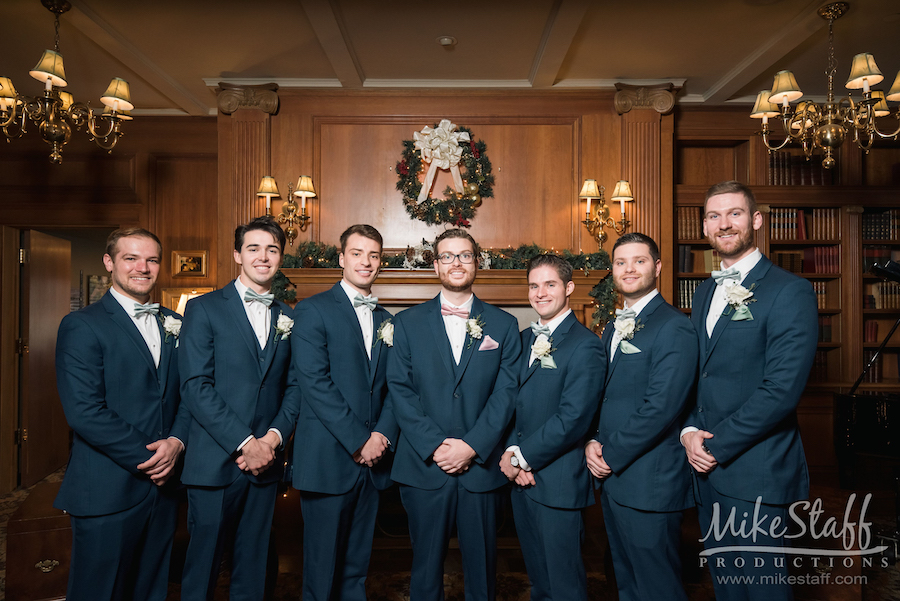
(447, 258)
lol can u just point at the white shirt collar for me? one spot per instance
(350, 291)
(645, 300)
(554, 323)
(747, 264)
(241, 289)
(466, 305)
(126, 301)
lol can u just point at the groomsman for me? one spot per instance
(561, 374)
(757, 327)
(345, 427)
(234, 362)
(117, 376)
(646, 480)
(452, 377)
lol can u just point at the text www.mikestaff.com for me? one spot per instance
(800, 579)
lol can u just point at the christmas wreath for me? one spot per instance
(448, 147)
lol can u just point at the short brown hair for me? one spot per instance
(732, 187)
(364, 230)
(265, 224)
(563, 268)
(456, 233)
(113, 240)
(637, 238)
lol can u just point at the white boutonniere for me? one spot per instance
(283, 327)
(626, 328)
(172, 328)
(542, 348)
(386, 333)
(738, 298)
(475, 329)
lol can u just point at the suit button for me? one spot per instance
(367, 424)
(159, 433)
(371, 392)
(605, 399)
(455, 395)
(261, 359)
(519, 434)
(699, 409)
(705, 374)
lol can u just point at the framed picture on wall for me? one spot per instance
(189, 263)
(97, 285)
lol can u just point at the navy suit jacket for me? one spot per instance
(117, 401)
(554, 412)
(232, 388)
(434, 399)
(643, 407)
(752, 374)
(344, 395)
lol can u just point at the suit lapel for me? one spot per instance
(235, 306)
(165, 354)
(753, 278)
(441, 342)
(271, 343)
(345, 307)
(379, 316)
(528, 339)
(606, 341)
(123, 320)
(471, 344)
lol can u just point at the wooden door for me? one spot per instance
(45, 285)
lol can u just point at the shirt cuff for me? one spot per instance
(278, 434)
(686, 430)
(179, 440)
(246, 440)
(518, 453)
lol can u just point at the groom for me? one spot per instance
(452, 377)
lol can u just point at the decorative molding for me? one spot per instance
(660, 98)
(230, 97)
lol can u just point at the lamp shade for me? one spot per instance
(863, 71)
(7, 93)
(894, 93)
(762, 107)
(305, 187)
(67, 100)
(117, 95)
(121, 114)
(590, 189)
(881, 107)
(785, 88)
(622, 191)
(50, 67)
(267, 187)
(805, 116)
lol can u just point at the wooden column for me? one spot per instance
(647, 162)
(244, 158)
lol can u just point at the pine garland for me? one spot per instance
(315, 255)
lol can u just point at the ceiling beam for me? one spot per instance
(794, 33)
(328, 25)
(562, 25)
(104, 35)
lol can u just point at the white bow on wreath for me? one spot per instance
(440, 148)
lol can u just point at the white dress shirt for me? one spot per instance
(456, 326)
(637, 307)
(363, 315)
(552, 324)
(146, 324)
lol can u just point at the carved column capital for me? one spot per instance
(230, 97)
(660, 98)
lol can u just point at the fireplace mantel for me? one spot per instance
(404, 287)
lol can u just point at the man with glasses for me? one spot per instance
(452, 380)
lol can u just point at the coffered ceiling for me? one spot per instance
(174, 52)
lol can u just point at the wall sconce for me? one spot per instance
(305, 189)
(596, 223)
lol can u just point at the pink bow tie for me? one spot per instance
(448, 310)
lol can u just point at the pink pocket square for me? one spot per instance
(488, 344)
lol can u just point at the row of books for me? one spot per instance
(878, 254)
(885, 295)
(825, 328)
(870, 331)
(821, 290)
(881, 226)
(815, 259)
(786, 169)
(876, 372)
(820, 371)
(803, 224)
(686, 289)
(692, 260)
(689, 222)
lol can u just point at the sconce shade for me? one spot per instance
(117, 92)
(622, 191)
(881, 107)
(785, 86)
(590, 189)
(267, 187)
(121, 114)
(863, 68)
(67, 100)
(894, 93)
(50, 66)
(305, 187)
(764, 108)
(7, 93)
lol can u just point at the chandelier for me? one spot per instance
(825, 126)
(56, 113)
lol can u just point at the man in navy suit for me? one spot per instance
(452, 382)
(561, 374)
(757, 328)
(345, 425)
(117, 376)
(236, 380)
(646, 478)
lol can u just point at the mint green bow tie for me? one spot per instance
(148, 309)
(537, 329)
(726, 274)
(252, 295)
(370, 301)
(624, 314)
